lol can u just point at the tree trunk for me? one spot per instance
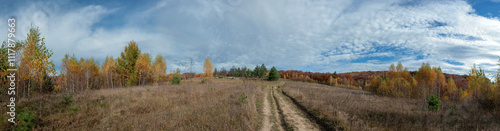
(41, 85)
(112, 80)
(108, 82)
(29, 85)
(24, 88)
(143, 80)
(72, 84)
(87, 76)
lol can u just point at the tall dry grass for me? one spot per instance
(190, 106)
(350, 109)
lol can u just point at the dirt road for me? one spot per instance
(266, 122)
(281, 114)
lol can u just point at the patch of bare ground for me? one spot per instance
(292, 116)
(348, 109)
(220, 105)
(266, 110)
(281, 114)
(276, 114)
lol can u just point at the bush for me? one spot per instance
(434, 103)
(487, 98)
(383, 89)
(48, 85)
(374, 84)
(67, 99)
(243, 98)
(274, 75)
(73, 107)
(26, 121)
(176, 80)
(58, 88)
(452, 110)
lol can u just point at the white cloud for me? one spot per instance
(72, 31)
(320, 35)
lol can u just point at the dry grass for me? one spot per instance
(190, 106)
(350, 109)
(195, 106)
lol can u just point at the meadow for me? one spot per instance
(351, 109)
(220, 105)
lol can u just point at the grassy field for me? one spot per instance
(350, 109)
(222, 105)
(236, 104)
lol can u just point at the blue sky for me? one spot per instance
(309, 35)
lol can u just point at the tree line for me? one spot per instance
(430, 81)
(426, 82)
(258, 72)
(131, 68)
(37, 73)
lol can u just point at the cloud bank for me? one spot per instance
(320, 35)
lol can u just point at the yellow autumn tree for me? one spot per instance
(208, 69)
(35, 61)
(482, 90)
(63, 74)
(108, 70)
(72, 73)
(475, 80)
(143, 68)
(398, 83)
(424, 77)
(91, 73)
(452, 93)
(126, 64)
(392, 71)
(330, 80)
(159, 68)
(439, 82)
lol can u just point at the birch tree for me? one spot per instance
(208, 69)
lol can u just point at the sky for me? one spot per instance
(307, 35)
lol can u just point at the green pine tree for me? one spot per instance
(256, 71)
(274, 74)
(263, 71)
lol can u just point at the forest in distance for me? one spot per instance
(447, 100)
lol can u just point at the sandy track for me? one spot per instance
(271, 119)
(293, 116)
(289, 114)
(266, 122)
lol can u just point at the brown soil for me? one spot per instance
(289, 117)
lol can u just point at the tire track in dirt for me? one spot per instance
(291, 116)
(276, 112)
(266, 122)
(271, 120)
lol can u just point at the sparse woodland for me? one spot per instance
(427, 81)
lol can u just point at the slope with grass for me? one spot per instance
(350, 109)
(241, 104)
(221, 105)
